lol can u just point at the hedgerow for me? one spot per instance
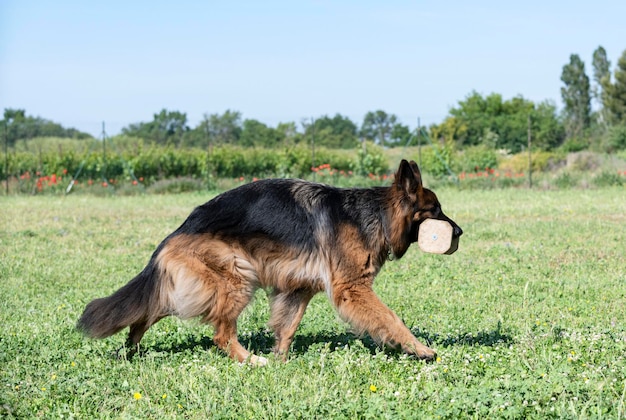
(154, 163)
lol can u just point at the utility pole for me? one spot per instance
(419, 142)
(313, 148)
(6, 156)
(104, 154)
(207, 135)
(530, 157)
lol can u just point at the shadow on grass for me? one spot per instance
(488, 338)
(262, 341)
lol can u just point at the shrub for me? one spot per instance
(583, 161)
(476, 157)
(541, 161)
(295, 162)
(574, 145)
(370, 160)
(176, 185)
(565, 179)
(437, 161)
(128, 189)
(607, 179)
(615, 139)
(490, 179)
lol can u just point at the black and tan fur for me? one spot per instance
(293, 237)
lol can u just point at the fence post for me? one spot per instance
(530, 157)
(104, 154)
(6, 156)
(419, 143)
(313, 148)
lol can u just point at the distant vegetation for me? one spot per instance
(482, 132)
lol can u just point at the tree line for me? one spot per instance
(21, 126)
(229, 128)
(504, 124)
(487, 120)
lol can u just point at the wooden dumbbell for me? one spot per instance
(436, 237)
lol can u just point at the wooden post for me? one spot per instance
(104, 155)
(6, 156)
(313, 148)
(209, 151)
(419, 143)
(530, 157)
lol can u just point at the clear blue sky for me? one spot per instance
(83, 62)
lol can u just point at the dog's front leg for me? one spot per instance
(359, 305)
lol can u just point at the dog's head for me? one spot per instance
(420, 203)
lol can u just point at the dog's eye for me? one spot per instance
(433, 211)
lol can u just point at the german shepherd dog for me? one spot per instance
(293, 237)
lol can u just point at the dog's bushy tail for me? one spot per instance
(134, 303)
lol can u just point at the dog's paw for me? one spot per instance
(125, 353)
(255, 361)
(420, 351)
(427, 354)
(258, 360)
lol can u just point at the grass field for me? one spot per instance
(528, 319)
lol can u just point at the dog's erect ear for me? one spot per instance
(416, 172)
(409, 178)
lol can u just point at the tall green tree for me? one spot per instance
(216, 129)
(338, 132)
(377, 126)
(166, 127)
(451, 129)
(576, 96)
(256, 133)
(500, 124)
(170, 126)
(17, 126)
(384, 129)
(288, 133)
(21, 126)
(546, 129)
(479, 120)
(601, 74)
(400, 135)
(223, 129)
(614, 94)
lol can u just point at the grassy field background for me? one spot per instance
(528, 319)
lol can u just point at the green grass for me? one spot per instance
(528, 319)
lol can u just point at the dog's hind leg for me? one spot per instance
(226, 339)
(135, 334)
(287, 310)
(229, 303)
